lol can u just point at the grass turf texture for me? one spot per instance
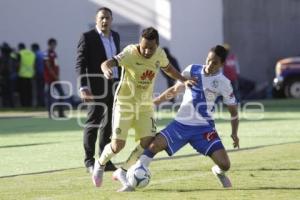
(42, 159)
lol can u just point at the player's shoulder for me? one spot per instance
(195, 68)
(131, 48)
(160, 50)
(128, 51)
(224, 79)
(192, 70)
(159, 53)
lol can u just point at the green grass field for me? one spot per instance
(41, 159)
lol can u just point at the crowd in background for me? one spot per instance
(26, 75)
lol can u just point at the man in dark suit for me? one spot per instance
(94, 47)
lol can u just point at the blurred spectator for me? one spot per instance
(25, 75)
(14, 72)
(173, 61)
(231, 70)
(51, 75)
(6, 87)
(39, 74)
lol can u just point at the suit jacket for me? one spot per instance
(90, 55)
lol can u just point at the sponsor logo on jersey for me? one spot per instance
(148, 75)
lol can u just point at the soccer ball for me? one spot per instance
(138, 176)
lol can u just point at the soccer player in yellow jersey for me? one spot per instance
(133, 107)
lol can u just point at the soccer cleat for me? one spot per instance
(97, 175)
(225, 181)
(120, 175)
(126, 188)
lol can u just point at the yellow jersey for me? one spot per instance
(135, 89)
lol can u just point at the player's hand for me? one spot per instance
(86, 95)
(156, 101)
(190, 82)
(108, 73)
(236, 141)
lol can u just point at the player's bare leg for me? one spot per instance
(157, 145)
(222, 161)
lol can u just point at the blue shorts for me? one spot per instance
(204, 139)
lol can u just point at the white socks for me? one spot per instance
(217, 170)
(106, 155)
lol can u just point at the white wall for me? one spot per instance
(37, 20)
(196, 27)
(189, 28)
(187, 36)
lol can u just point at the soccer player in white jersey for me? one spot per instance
(133, 106)
(194, 123)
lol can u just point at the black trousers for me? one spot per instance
(99, 118)
(6, 87)
(25, 91)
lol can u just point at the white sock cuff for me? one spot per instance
(218, 170)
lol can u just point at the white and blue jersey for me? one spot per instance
(194, 122)
(199, 101)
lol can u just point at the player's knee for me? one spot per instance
(157, 144)
(155, 147)
(225, 165)
(116, 147)
(145, 142)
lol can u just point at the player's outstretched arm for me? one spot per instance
(169, 93)
(106, 68)
(173, 73)
(234, 125)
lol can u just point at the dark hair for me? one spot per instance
(151, 34)
(21, 46)
(6, 49)
(51, 41)
(220, 51)
(35, 47)
(106, 9)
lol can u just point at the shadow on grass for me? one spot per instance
(221, 189)
(27, 145)
(37, 125)
(238, 170)
(164, 158)
(230, 150)
(15, 117)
